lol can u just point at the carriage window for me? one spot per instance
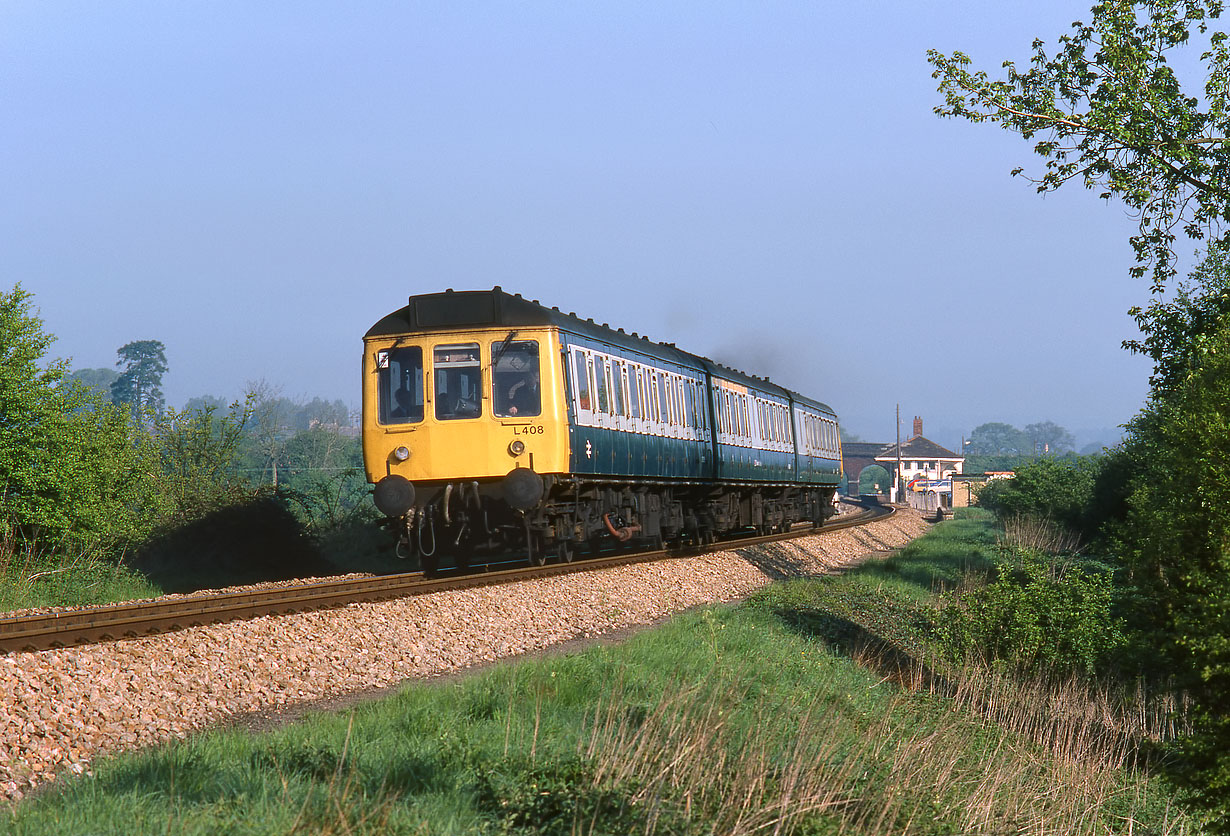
(515, 378)
(399, 374)
(617, 376)
(604, 402)
(581, 381)
(634, 391)
(458, 375)
(689, 404)
(664, 401)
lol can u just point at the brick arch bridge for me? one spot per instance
(856, 455)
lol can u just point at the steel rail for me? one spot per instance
(88, 625)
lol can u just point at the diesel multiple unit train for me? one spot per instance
(494, 424)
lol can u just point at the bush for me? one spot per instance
(1037, 615)
(70, 475)
(197, 451)
(1176, 542)
(1059, 490)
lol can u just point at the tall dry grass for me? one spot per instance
(1039, 534)
(1064, 765)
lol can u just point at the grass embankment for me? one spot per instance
(29, 578)
(806, 710)
(247, 543)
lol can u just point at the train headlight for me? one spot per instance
(516, 448)
(401, 453)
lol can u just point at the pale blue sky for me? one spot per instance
(254, 184)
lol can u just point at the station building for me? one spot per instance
(925, 465)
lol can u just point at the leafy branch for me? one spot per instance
(1107, 108)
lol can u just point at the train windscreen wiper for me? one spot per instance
(504, 346)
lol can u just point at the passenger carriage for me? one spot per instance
(491, 423)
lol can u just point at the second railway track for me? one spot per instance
(80, 626)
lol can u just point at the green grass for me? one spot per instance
(807, 709)
(30, 578)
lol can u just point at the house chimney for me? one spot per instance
(917, 426)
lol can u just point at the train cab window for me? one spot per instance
(515, 379)
(458, 375)
(581, 381)
(399, 372)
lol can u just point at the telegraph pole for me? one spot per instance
(897, 476)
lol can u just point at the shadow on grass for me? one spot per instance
(869, 649)
(241, 544)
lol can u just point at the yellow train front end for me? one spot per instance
(463, 430)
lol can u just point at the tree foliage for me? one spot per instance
(1176, 540)
(199, 453)
(139, 385)
(69, 472)
(97, 380)
(997, 439)
(1048, 438)
(1060, 490)
(1107, 109)
(1178, 334)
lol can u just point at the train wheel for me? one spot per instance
(564, 552)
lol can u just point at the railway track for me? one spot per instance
(81, 626)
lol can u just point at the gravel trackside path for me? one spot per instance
(60, 708)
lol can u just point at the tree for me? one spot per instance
(97, 380)
(1059, 490)
(1176, 542)
(321, 413)
(199, 452)
(1048, 438)
(29, 404)
(997, 439)
(139, 385)
(70, 474)
(1178, 334)
(1106, 109)
(204, 402)
(874, 479)
(271, 416)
